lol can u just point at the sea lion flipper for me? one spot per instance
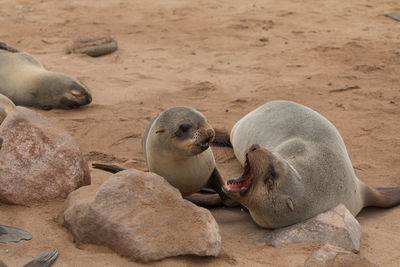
(216, 182)
(222, 138)
(107, 167)
(206, 190)
(45, 259)
(13, 234)
(205, 200)
(4, 46)
(383, 196)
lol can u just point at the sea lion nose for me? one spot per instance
(89, 98)
(210, 134)
(254, 147)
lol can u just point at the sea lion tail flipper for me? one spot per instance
(45, 259)
(222, 138)
(107, 167)
(4, 46)
(383, 197)
(13, 234)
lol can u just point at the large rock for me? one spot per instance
(336, 226)
(331, 256)
(141, 216)
(38, 160)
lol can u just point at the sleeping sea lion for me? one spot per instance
(296, 166)
(27, 83)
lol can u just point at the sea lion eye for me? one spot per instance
(271, 175)
(76, 93)
(184, 127)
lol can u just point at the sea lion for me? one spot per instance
(296, 166)
(6, 106)
(27, 83)
(176, 146)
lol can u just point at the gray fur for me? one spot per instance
(314, 172)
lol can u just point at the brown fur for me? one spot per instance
(383, 197)
(221, 138)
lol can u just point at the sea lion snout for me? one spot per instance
(211, 134)
(204, 137)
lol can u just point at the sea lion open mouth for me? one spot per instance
(242, 184)
(203, 146)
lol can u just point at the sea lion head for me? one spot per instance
(6, 106)
(269, 188)
(183, 131)
(57, 90)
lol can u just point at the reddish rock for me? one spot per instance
(141, 216)
(332, 256)
(38, 160)
(336, 226)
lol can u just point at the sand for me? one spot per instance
(224, 58)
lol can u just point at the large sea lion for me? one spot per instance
(176, 146)
(27, 83)
(6, 106)
(296, 166)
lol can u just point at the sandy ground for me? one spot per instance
(223, 58)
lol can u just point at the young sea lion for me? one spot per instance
(27, 83)
(296, 166)
(176, 146)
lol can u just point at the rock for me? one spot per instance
(38, 160)
(331, 256)
(94, 46)
(336, 226)
(141, 216)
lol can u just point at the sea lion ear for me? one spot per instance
(160, 130)
(290, 204)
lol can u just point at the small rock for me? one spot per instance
(243, 20)
(38, 160)
(336, 226)
(330, 256)
(329, 84)
(392, 102)
(396, 52)
(93, 46)
(141, 216)
(264, 39)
